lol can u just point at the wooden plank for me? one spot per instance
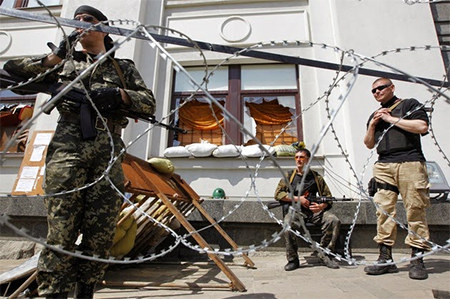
(31, 172)
(196, 203)
(24, 285)
(165, 185)
(248, 261)
(154, 182)
(21, 271)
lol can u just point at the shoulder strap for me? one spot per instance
(395, 104)
(317, 182)
(292, 176)
(119, 72)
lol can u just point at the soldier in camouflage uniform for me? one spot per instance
(316, 213)
(79, 154)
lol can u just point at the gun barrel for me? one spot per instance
(273, 204)
(7, 79)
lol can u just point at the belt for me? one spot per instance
(75, 119)
(387, 186)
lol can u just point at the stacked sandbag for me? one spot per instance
(125, 234)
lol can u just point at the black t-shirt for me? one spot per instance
(390, 149)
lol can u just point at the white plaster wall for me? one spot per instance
(368, 27)
(235, 176)
(24, 38)
(212, 173)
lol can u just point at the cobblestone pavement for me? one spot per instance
(176, 279)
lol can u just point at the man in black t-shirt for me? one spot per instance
(400, 169)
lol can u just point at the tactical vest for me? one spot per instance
(395, 139)
(310, 184)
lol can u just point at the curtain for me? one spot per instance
(199, 116)
(269, 113)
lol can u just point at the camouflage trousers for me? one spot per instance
(329, 225)
(72, 163)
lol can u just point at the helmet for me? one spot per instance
(218, 193)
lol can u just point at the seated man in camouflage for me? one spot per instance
(316, 213)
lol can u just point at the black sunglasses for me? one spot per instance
(85, 18)
(380, 88)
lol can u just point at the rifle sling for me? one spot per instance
(120, 73)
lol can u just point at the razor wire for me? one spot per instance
(307, 239)
(412, 2)
(253, 185)
(434, 246)
(105, 174)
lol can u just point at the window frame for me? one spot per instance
(24, 4)
(235, 103)
(17, 99)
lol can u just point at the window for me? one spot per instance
(26, 3)
(264, 98)
(15, 110)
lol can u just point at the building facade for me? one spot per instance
(261, 100)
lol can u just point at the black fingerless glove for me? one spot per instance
(65, 45)
(106, 98)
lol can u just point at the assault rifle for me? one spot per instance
(317, 199)
(74, 94)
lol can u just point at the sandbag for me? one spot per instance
(162, 165)
(125, 235)
(126, 243)
(203, 149)
(176, 152)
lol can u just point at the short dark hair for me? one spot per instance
(304, 150)
(383, 79)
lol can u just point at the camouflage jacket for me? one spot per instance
(101, 76)
(314, 184)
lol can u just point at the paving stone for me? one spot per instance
(270, 281)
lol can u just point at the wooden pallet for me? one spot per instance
(169, 199)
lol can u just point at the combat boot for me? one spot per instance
(292, 265)
(417, 267)
(84, 291)
(328, 261)
(385, 256)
